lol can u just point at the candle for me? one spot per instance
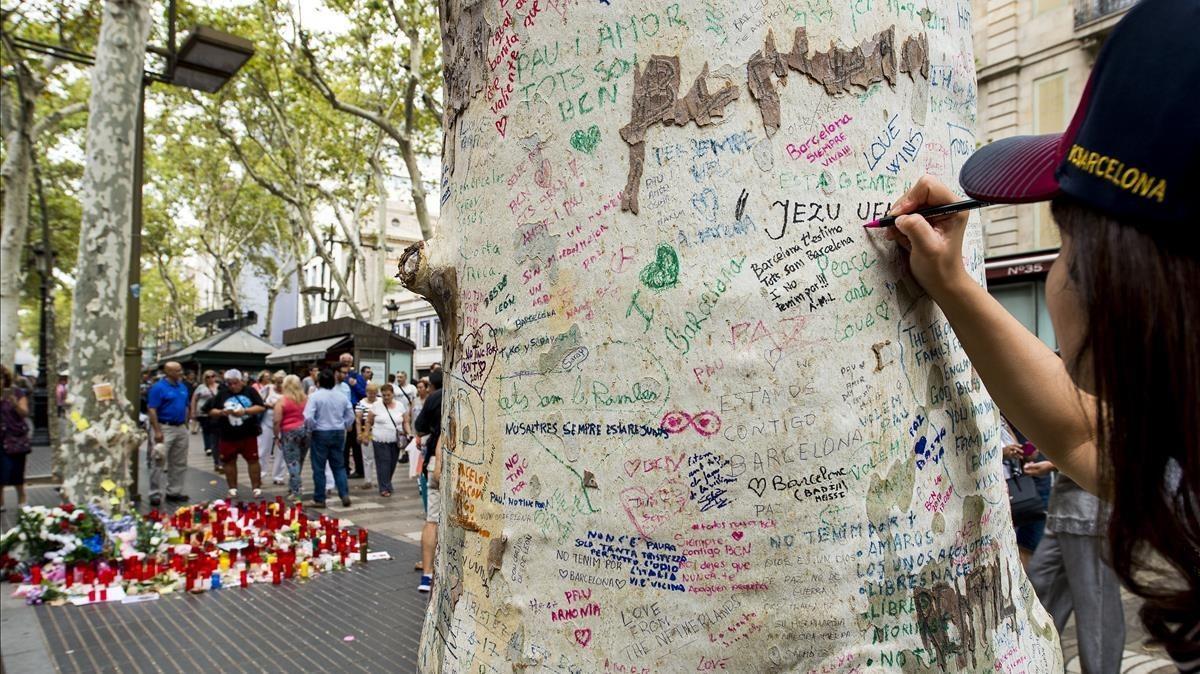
(304, 569)
(70, 576)
(275, 574)
(35, 574)
(215, 581)
(92, 594)
(243, 577)
(225, 561)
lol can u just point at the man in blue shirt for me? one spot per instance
(167, 406)
(355, 386)
(328, 414)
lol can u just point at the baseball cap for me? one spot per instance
(1132, 149)
(233, 374)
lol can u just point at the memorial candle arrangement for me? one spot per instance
(84, 556)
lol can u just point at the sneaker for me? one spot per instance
(177, 498)
(233, 493)
(345, 501)
(317, 504)
(155, 500)
(426, 584)
(257, 493)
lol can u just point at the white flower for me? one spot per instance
(21, 536)
(155, 541)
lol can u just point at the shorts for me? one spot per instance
(247, 447)
(433, 511)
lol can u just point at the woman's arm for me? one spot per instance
(1025, 378)
(277, 418)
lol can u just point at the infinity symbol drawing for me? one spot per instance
(705, 423)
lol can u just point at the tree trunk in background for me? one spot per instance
(697, 417)
(18, 174)
(103, 436)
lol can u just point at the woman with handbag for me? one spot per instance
(14, 435)
(389, 427)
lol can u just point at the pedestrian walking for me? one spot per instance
(237, 408)
(310, 382)
(189, 380)
(389, 425)
(430, 425)
(270, 455)
(404, 389)
(418, 441)
(329, 416)
(167, 407)
(1070, 576)
(290, 431)
(205, 391)
(364, 434)
(354, 385)
(14, 436)
(61, 393)
(1118, 413)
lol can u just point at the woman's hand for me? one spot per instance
(1013, 452)
(935, 248)
(1039, 468)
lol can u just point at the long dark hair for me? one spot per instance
(1142, 347)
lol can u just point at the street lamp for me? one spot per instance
(393, 310)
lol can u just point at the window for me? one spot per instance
(428, 333)
(1049, 116)
(1027, 303)
(405, 329)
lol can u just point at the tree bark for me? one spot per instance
(17, 171)
(104, 436)
(696, 418)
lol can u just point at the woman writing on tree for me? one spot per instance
(1120, 412)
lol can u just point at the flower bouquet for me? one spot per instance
(83, 556)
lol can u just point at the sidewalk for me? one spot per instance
(366, 619)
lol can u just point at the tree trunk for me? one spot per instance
(104, 436)
(379, 287)
(696, 417)
(17, 173)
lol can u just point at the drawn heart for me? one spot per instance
(663, 273)
(737, 535)
(706, 423)
(478, 353)
(502, 125)
(583, 637)
(586, 141)
(562, 573)
(631, 466)
(758, 485)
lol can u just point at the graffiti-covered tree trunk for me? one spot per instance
(103, 436)
(698, 419)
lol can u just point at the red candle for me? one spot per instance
(92, 594)
(103, 593)
(275, 573)
(70, 576)
(243, 578)
(35, 574)
(151, 568)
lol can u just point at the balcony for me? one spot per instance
(1095, 11)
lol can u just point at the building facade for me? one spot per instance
(413, 317)
(1033, 58)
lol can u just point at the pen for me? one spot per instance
(927, 213)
